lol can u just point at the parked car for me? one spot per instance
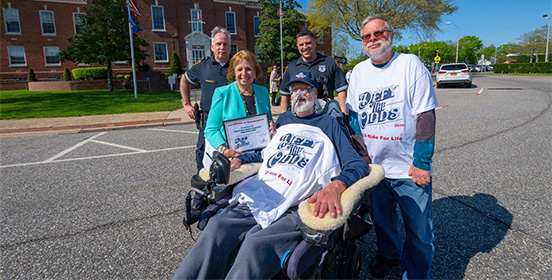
(471, 67)
(454, 73)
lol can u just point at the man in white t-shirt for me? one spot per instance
(392, 105)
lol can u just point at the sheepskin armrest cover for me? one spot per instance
(244, 171)
(349, 198)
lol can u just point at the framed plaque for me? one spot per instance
(249, 133)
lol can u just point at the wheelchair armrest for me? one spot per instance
(349, 198)
(237, 175)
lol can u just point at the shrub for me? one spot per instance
(91, 73)
(126, 77)
(66, 74)
(119, 76)
(176, 66)
(541, 67)
(31, 77)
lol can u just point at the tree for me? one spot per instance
(534, 42)
(31, 77)
(176, 65)
(104, 37)
(470, 47)
(421, 16)
(66, 74)
(269, 43)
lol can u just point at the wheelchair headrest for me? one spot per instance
(219, 171)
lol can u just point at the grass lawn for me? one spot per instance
(21, 104)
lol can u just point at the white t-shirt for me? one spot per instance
(387, 101)
(298, 161)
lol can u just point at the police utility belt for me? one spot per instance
(200, 117)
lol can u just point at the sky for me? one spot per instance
(495, 22)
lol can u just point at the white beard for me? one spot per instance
(385, 47)
(304, 106)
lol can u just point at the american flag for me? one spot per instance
(199, 16)
(281, 15)
(133, 8)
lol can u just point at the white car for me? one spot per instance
(454, 73)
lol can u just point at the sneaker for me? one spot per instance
(380, 266)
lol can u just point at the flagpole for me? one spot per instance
(281, 42)
(132, 52)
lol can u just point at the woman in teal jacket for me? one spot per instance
(239, 99)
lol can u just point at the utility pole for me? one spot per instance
(547, 37)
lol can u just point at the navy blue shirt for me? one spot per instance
(210, 75)
(325, 69)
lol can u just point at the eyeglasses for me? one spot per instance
(300, 90)
(377, 34)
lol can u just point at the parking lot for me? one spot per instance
(108, 205)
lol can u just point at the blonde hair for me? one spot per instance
(238, 58)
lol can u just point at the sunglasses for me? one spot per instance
(377, 34)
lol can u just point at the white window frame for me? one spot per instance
(198, 53)
(255, 27)
(166, 52)
(10, 51)
(235, 30)
(47, 49)
(196, 25)
(75, 20)
(42, 23)
(153, 27)
(4, 10)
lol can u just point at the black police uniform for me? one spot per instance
(210, 75)
(325, 69)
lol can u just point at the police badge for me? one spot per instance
(321, 68)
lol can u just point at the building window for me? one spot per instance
(78, 20)
(11, 21)
(198, 53)
(231, 22)
(157, 18)
(51, 56)
(197, 26)
(17, 56)
(48, 23)
(257, 21)
(160, 52)
(233, 50)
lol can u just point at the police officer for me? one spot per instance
(210, 72)
(325, 69)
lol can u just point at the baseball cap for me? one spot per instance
(303, 77)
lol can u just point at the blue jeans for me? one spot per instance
(416, 207)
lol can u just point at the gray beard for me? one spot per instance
(304, 106)
(385, 47)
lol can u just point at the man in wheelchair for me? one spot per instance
(309, 157)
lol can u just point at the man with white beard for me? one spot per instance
(309, 157)
(392, 103)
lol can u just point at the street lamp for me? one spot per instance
(547, 37)
(457, 38)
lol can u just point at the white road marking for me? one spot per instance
(74, 147)
(119, 146)
(480, 91)
(179, 131)
(97, 157)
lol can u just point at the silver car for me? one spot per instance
(454, 73)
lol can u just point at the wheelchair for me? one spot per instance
(328, 249)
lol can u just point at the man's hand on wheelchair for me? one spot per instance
(235, 163)
(328, 199)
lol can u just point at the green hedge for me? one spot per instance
(91, 73)
(541, 67)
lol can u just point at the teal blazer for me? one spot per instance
(227, 104)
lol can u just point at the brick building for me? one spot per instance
(34, 31)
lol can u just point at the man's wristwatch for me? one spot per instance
(222, 148)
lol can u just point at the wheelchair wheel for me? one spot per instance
(352, 264)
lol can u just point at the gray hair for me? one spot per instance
(374, 17)
(219, 29)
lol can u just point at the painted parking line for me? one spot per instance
(178, 131)
(119, 146)
(74, 147)
(97, 157)
(479, 92)
(441, 107)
